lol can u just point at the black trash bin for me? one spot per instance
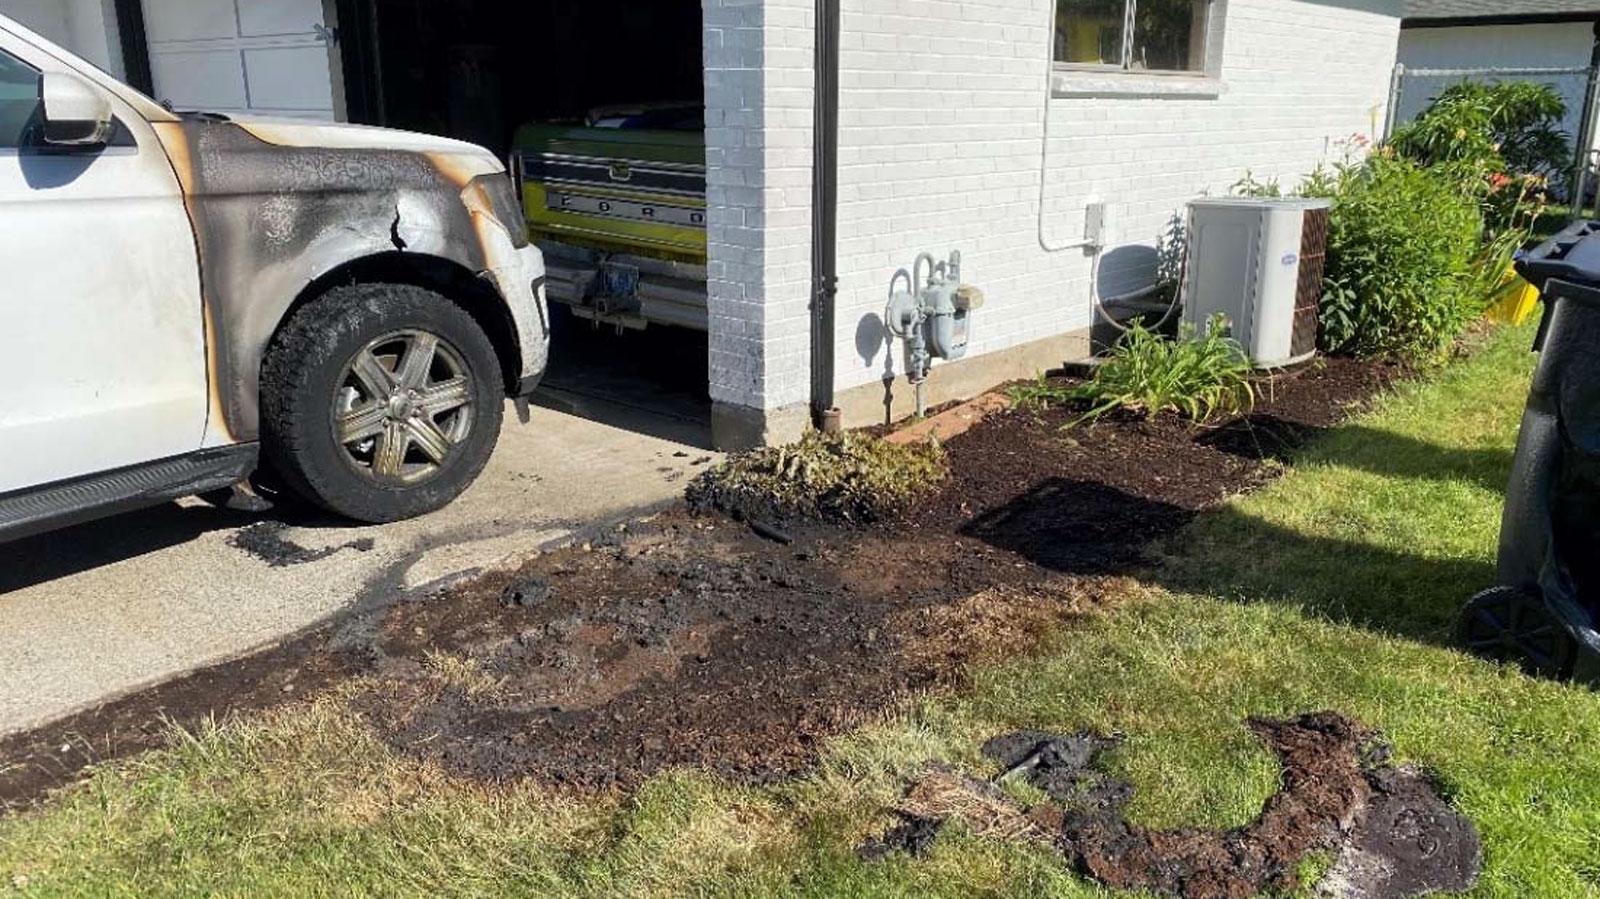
(1545, 611)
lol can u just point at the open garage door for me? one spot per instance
(599, 106)
(268, 57)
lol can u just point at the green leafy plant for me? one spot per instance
(1502, 143)
(1490, 278)
(847, 477)
(1198, 377)
(1251, 186)
(1038, 395)
(1514, 205)
(1403, 246)
(1511, 126)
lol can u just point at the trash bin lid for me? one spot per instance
(1572, 255)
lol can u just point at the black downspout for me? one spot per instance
(825, 216)
(135, 46)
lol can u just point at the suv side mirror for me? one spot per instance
(76, 113)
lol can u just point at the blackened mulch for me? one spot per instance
(693, 641)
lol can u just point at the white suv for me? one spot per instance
(189, 301)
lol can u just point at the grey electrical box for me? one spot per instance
(1259, 262)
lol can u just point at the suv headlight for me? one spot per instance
(505, 202)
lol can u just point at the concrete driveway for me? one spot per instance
(96, 611)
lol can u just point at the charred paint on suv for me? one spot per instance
(276, 218)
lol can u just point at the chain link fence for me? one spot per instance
(1412, 90)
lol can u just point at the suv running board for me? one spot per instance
(24, 513)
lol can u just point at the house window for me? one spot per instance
(1133, 35)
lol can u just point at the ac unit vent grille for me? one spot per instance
(1308, 297)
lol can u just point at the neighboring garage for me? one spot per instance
(268, 57)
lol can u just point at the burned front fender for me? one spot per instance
(272, 218)
(514, 266)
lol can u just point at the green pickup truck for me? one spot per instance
(618, 205)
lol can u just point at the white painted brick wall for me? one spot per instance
(758, 57)
(940, 148)
(941, 120)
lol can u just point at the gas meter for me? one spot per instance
(932, 313)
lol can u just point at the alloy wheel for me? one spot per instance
(403, 406)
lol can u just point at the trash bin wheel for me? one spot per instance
(1505, 624)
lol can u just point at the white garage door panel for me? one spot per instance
(201, 80)
(236, 56)
(260, 18)
(48, 17)
(190, 20)
(289, 78)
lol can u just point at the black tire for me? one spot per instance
(308, 368)
(1508, 625)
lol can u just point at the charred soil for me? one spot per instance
(695, 642)
(1395, 836)
(689, 639)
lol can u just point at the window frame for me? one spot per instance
(1206, 67)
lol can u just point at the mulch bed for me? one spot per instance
(1087, 500)
(693, 640)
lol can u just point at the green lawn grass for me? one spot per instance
(1332, 589)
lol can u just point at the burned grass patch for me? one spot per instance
(680, 641)
(33, 763)
(1395, 836)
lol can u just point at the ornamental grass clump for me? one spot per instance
(847, 478)
(1198, 377)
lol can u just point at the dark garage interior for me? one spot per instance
(480, 69)
(477, 69)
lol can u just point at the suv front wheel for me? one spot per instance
(380, 402)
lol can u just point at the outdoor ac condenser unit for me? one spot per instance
(1259, 262)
